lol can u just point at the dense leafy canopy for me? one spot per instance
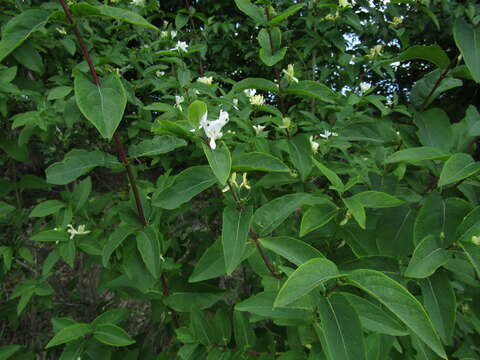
(239, 179)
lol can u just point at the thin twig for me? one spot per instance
(264, 257)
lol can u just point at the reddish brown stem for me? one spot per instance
(118, 141)
(264, 257)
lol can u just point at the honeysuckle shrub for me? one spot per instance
(239, 180)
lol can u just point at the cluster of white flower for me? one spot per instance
(327, 133)
(213, 129)
(364, 87)
(74, 232)
(233, 182)
(205, 80)
(139, 3)
(178, 101)
(181, 46)
(159, 73)
(290, 73)
(258, 128)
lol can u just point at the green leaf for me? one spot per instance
(254, 12)
(196, 110)
(77, 163)
(46, 208)
(210, 265)
(59, 92)
(432, 53)
(331, 176)
(256, 83)
(473, 254)
(427, 257)
(342, 328)
(220, 161)
(114, 241)
(376, 199)
(102, 105)
(257, 161)
(399, 301)
(201, 328)
(434, 129)
(113, 316)
(417, 154)
(375, 319)
(112, 335)
(317, 216)
(422, 89)
(244, 336)
(300, 154)
(293, 250)
(285, 14)
(189, 183)
(458, 167)
(467, 39)
(68, 251)
(8, 350)
(148, 245)
(69, 333)
(19, 28)
(270, 215)
(304, 279)
(5, 209)
(156, 146)
(186, 301)
(235, 228)
(262, 304)
(29, 57)
(50, 236)
(271, 59)
(439, 300)
(125, 15)
(312, 89)
(357, 210)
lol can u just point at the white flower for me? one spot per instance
(213, 129)
(205, 80)
(181, 46)
(250, 92)
(164, 34)
(326, 134)
(245, 182)
(159, 73)
(138, 2)
(343, 3)
(80, 231)
(173, 34)
(286, 122)
(476, 240)
(314, 144)
(178, 101)
(375, 51)
(235, 104)
(62, 31)
(290, 73)
(364, 87)
(258, 129)
(257, 100)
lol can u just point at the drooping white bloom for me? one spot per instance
(258, 128)
(257, 100)
(74, 232)
(178, 101)
(159, 73)
(235, 104)
(213, 129)
(245, 181)
(314, 144)
(62, 31)
(286, 122)
(364, 87)
(205, 80)
(181, 46)
(290, 73)
(138, 2)
(476, 240)
(326, 134)
(163, 34)
(173, 34)
(250, 92)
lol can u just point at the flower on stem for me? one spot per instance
(181, 46)
(62, 31)
(314, 144)
(235, 104)
(213, 129)
(159, 73)
(245, 181)
(327, 133)
(343, 3)
(375, 51)
(138, 2)
(205, 80)
(258, 128)
(364, 87)
(290, 73)
(173, 34)
(74, 232)
(178, 101)
(286, 122)
(257, 100)
(164, 34)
